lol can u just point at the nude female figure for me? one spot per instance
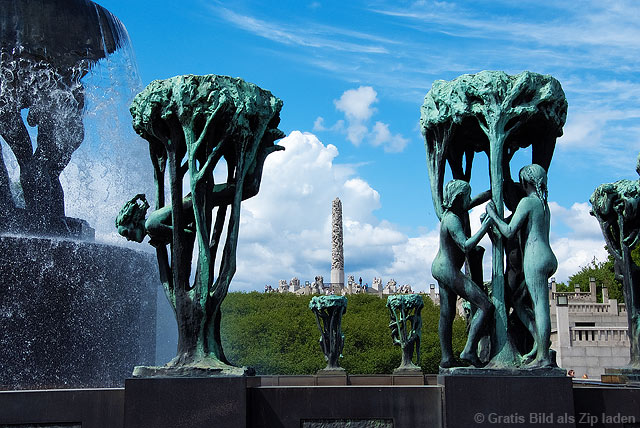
(532, 220)
(454, 245)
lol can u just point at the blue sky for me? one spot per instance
(353, 76)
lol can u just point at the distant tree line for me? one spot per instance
(277, 334)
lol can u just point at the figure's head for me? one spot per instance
(457, 190)
(535, 176)
(130, 220)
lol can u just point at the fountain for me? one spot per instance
(69, 318)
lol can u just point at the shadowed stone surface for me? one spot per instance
(204, 402)
(478, 401)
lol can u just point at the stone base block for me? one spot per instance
(607, 406)
(219, 402)
(86, 408)
(357, 406)
(629, 375)
(191, 371)
(330, 377)
(522, 401)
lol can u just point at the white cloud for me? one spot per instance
(286, 228)
(390, 142)
(580, 243)
(356, 103)
(357, 107)
(318, 125)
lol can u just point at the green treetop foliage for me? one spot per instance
(277, 334)
(604, 274)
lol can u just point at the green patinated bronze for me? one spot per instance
(454, 245)
(191, 124)
(406, 327)
(328, 311)
(497, 114)
(530, 224)
(617, 208)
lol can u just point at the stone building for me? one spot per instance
(588, 335)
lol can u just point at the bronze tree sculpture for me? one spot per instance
(617, 208)
(192, 123)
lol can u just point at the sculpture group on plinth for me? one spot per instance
(192, 123)
(329, 311)
(617, 208)
(42, 65)
(497, 114)
(406, 329)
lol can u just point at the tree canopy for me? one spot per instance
(277, 334)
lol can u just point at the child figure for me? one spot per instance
(454, 245)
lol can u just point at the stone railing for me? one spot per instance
(584, 296)
(599, 335)
(589, 307)
(622, 308)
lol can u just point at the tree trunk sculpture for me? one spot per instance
(617, 208)
(328, 311)
(191, 124)
(406, 327)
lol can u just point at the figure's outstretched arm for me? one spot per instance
(510, 229)
(456, 231)
(480, 198)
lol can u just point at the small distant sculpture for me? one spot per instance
(406, 328)
(191, 124)
(532, 220)
(617, 208)
(405, 289)
(318, 285)
(329, 311)
(454, 245)
(377, 284)
(294, 285)
(391, 286)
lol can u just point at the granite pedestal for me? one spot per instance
(219, 402)
(522, 401)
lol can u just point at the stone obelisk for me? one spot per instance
(337, 253)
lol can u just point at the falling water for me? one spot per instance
(73, 313)
(74, 83)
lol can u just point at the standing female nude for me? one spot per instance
(454, 245)
(532, 219)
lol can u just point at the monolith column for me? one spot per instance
(337, 253)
